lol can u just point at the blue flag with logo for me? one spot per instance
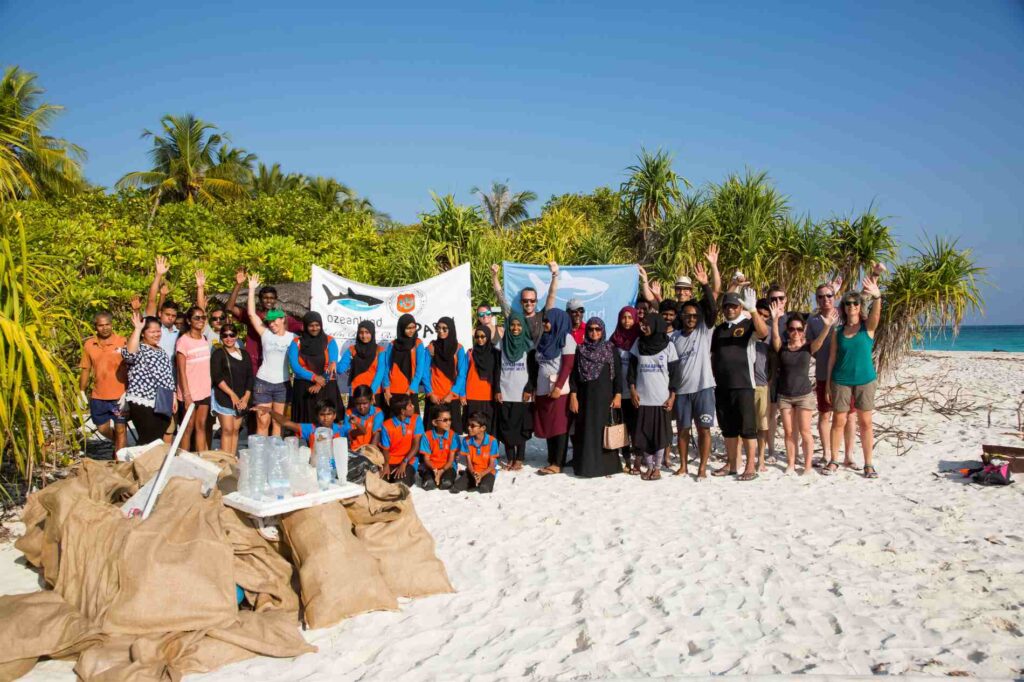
(603, 289)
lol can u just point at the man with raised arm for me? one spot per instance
(528, 301)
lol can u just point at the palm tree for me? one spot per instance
(271, 181)
(33, 164)
(650, 193)
(455, 227)
(503, 208)
(186, 165)
(235, 164)
(861, 242)
(328, 192)
(936, 287)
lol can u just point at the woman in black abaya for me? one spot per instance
(596, 388)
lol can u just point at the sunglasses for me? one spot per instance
(689, 316)
(216, 318)
(229, 335)
(442, 328)
(794, 329)
(480, 336)
(443, 419)
(524, 301)
(825, 296)
(851, 304)
(487, 314)
(777, 298)
(198, 317)
(593, 329)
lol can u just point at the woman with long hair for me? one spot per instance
(150, 395)
(231, 374)
(192, 356)
(596, 385)
(313, 357)
(851, 371)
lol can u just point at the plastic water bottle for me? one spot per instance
(341, 459)
(257, 466)
(277, 472)
(243, 472)
(294, 472)
(323, 446)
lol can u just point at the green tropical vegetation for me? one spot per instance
(205, 204)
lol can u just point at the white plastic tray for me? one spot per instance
(267, 508)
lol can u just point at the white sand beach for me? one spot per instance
(918, 572)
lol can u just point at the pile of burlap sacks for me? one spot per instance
(157, 599)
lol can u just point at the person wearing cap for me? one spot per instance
(683, 286)
(270, 386)
(576, 312)
(266, 300)
(528, 301)
(732, 361)
(851, 370)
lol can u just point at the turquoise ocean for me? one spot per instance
(1008, 338)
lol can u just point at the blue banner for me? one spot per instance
(603, 289)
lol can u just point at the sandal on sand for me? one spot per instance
(747, 477)
(724, 471)
(830, 469)
(681, 471)
(869, 472)
(655, 475)
(548, 470)
(851, 466)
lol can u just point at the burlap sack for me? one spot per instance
(47, 509)
(39, 624)
(339, 578)
(372, 453)
(176, 571)
(92, 541)
(379, 504)
(406, 553)
(146, 465)
(264, 575)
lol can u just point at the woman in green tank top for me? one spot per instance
(851, 370)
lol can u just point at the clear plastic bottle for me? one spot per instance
(294, 472)
(323, 449)
(257, 467)
(277, 472)
(341, 459)
(243, 472)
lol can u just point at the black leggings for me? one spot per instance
(515, 453)
(466, 483)
(558, 446)
(149, 425)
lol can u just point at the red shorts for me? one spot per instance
(824, 404)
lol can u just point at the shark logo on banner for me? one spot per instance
(603, 289)
(344, 303)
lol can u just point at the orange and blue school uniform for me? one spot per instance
(307, 432)
(437, 447)
(370, 423)
(483, 455)
(298, 364)
(395, 380)
(396, 438)
(437, 382)
(483, 388)
(371, 377)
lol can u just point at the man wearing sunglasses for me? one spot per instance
(826, 297)
(528, 301)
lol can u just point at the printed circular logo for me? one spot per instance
(705, 419)
(407, 302)
(738, 331)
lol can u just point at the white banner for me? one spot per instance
(344, 303)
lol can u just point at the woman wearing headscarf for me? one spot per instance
(405, 362)
(313, 357)
(555, 357)
(360, 361)
(596, 384)
(515, 421)
(448, 366)
(482, 377)
(652, 383)
(626, 333)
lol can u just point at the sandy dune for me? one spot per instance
(560, 578)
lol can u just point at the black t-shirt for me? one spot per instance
(794, 371)
(733, 354)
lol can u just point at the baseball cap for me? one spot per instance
(732, 298)
(684, 282)
(274, 314)
(574, 304)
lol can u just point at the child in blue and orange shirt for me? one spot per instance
(479, 452)
(368, 416)
(400, 440)
(438, 448)
(325, 415)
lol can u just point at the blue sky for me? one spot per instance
(913, 106)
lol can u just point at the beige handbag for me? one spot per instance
(615, 434)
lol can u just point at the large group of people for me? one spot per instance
(670, 370)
